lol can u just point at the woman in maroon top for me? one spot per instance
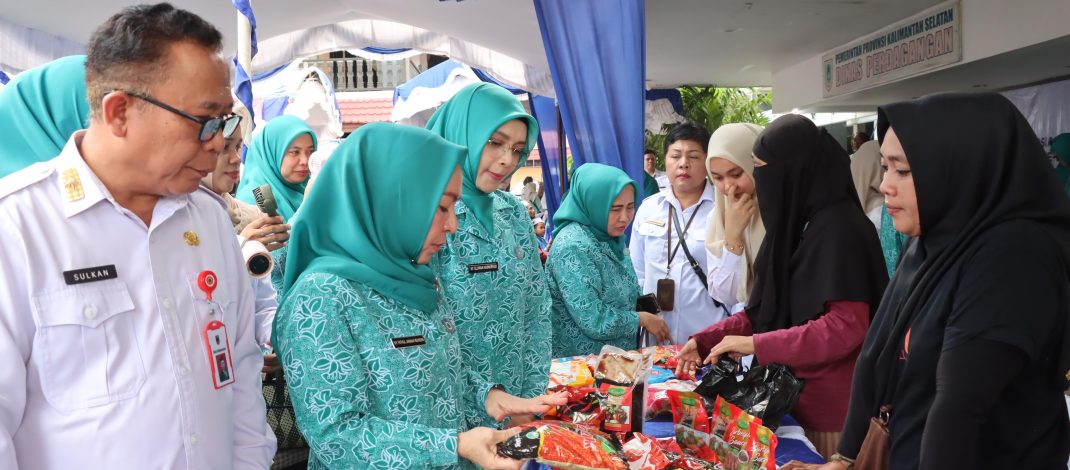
(819, 276)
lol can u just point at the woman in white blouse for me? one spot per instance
(735, 230)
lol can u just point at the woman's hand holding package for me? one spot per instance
(480, 446)
(501, 405)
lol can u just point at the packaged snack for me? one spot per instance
(691, 424)
(763, 448)
(668, 444)
(664, 356)
(564, 446)
(688, 462)
(619, 366)
(657, 396)
(569, 373)
(659, 374)
(623, 408)
(643, 453)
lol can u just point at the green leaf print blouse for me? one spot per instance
(594, 292)
(497, 289)
(361, 402)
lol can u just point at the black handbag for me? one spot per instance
(280, 413)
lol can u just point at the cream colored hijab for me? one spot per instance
(866, 173)
(733, 142)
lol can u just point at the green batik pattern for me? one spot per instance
(503, 316)
(360, 402)
(279, 271)
(594, 292)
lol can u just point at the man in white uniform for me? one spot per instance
(690, 198)
(126, 316)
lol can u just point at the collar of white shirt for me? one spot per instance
(93, 191)
(668, 197)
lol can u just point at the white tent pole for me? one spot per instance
(245, 43)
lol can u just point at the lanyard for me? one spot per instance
(671, 252)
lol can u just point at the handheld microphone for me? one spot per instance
(265, 200)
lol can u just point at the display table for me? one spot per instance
(792, 443)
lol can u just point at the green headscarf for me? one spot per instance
(39, 111)
(263, 164)
(593, 189)
(1060, 146)
(370, 210)
(469, 119)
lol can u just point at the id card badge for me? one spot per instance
(219, 357)
(666, 294)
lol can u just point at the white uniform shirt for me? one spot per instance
(724, 275)
(695, 309)
(115, 373)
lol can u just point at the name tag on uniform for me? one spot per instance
(658, 223)
(482, 268)
(82, 276)
(408, 342)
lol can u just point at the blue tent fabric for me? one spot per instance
(274, 107)
(243, 83)
(486, 77)
(671, 94)
(550, 152)
(597, 57)
(4, 78)
(384, 51)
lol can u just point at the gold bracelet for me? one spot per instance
(840, 458)
(735, 249)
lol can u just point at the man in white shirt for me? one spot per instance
(690, 198)
(126, 317)
(650, 166)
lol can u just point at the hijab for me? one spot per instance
(983, 143)
(39, 111)
(263, 164)
(866, 174)
(819, 246)
(593, 189)
(469, 119)
(369, 214)
(733, 142)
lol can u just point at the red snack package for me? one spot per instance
(620, 408)
(668, 444)
(688, 462)
(657, 396)
(564, 446)
(643, 453)
(762, 448)
(691, 423)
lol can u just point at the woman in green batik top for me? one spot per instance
(491, 271)
(369, 350)
(592, 281)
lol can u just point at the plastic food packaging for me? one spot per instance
(765, 391)
(620, 376)
(644, 453)
(564, 446)
(739, 439)
(570, 372)
(657, 396)
(691, 423)
(620, 367)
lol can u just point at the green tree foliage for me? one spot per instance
(711, 107)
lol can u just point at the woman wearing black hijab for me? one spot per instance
(819, 275)
(970, 345)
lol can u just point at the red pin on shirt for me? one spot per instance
(207, 282)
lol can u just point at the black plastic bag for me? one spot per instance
(765, 391)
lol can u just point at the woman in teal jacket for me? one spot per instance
(370, 351)
(491, 271)
(592, 281)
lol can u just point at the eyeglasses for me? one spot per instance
(209, 126)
